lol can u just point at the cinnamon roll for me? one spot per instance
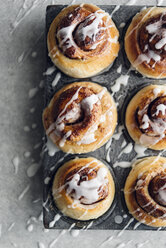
(145, 42)
(83, 188)
(146, 117)
(145, 191)
(82, 40)
(81, 117)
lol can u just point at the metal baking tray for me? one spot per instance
(117, 218)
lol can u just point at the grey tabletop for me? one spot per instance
(22, 63)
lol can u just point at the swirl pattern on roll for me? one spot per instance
(80, 117)
(145, 191)
(146, 117)
(147, 33)
(83, 188)
(79, 35)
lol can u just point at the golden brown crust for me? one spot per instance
(139, 191)
(146, 117)
(143, 42)
(68, 115)
(87, 56)
(87, 168)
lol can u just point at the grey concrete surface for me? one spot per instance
(20, 71)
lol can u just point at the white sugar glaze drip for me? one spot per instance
(87, 104)
(161, 108)
(122, 80)
(88, 189)
(56, 79)
(56, 218)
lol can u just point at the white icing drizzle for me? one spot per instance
(140, 150)
(162, 193)
(156, 91)
(33, 169)
(136, 225)
(27, 154)
(126, 226)
(92, 29)
(122, 24)
(47, 180)
(122, 80)
(51, 147)
(131, 2)
(36, 146)
(56, 79)
(52, 244)
(32, 110)
(32, 92)
(56, 218)
(36, 200)
(30, 228)
(122, 164)
(89, 101)
(24, 192)
(87, 189)
(146, 58)
(27, 129)
(115, 10)
(123, 144)
(21, 57)
(34, 54)
(162, 108)
(16, 162)
(24, 11)
(49, 71)
(11, 226)
(41, 245)
(63, 140)
(127, 149)
(75, 233)
(159, 2)
(142, 244)
(119, 69)
(118, 219)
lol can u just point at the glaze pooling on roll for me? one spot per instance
(88, 191)
(146, 113)
(147, 33)
(80, 115)
(83, 188)
(145, 191)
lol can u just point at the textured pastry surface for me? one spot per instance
(82, 40)
(145, 191)
(145, 42)
(83, 188)
(146, 117)
(81, 117)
